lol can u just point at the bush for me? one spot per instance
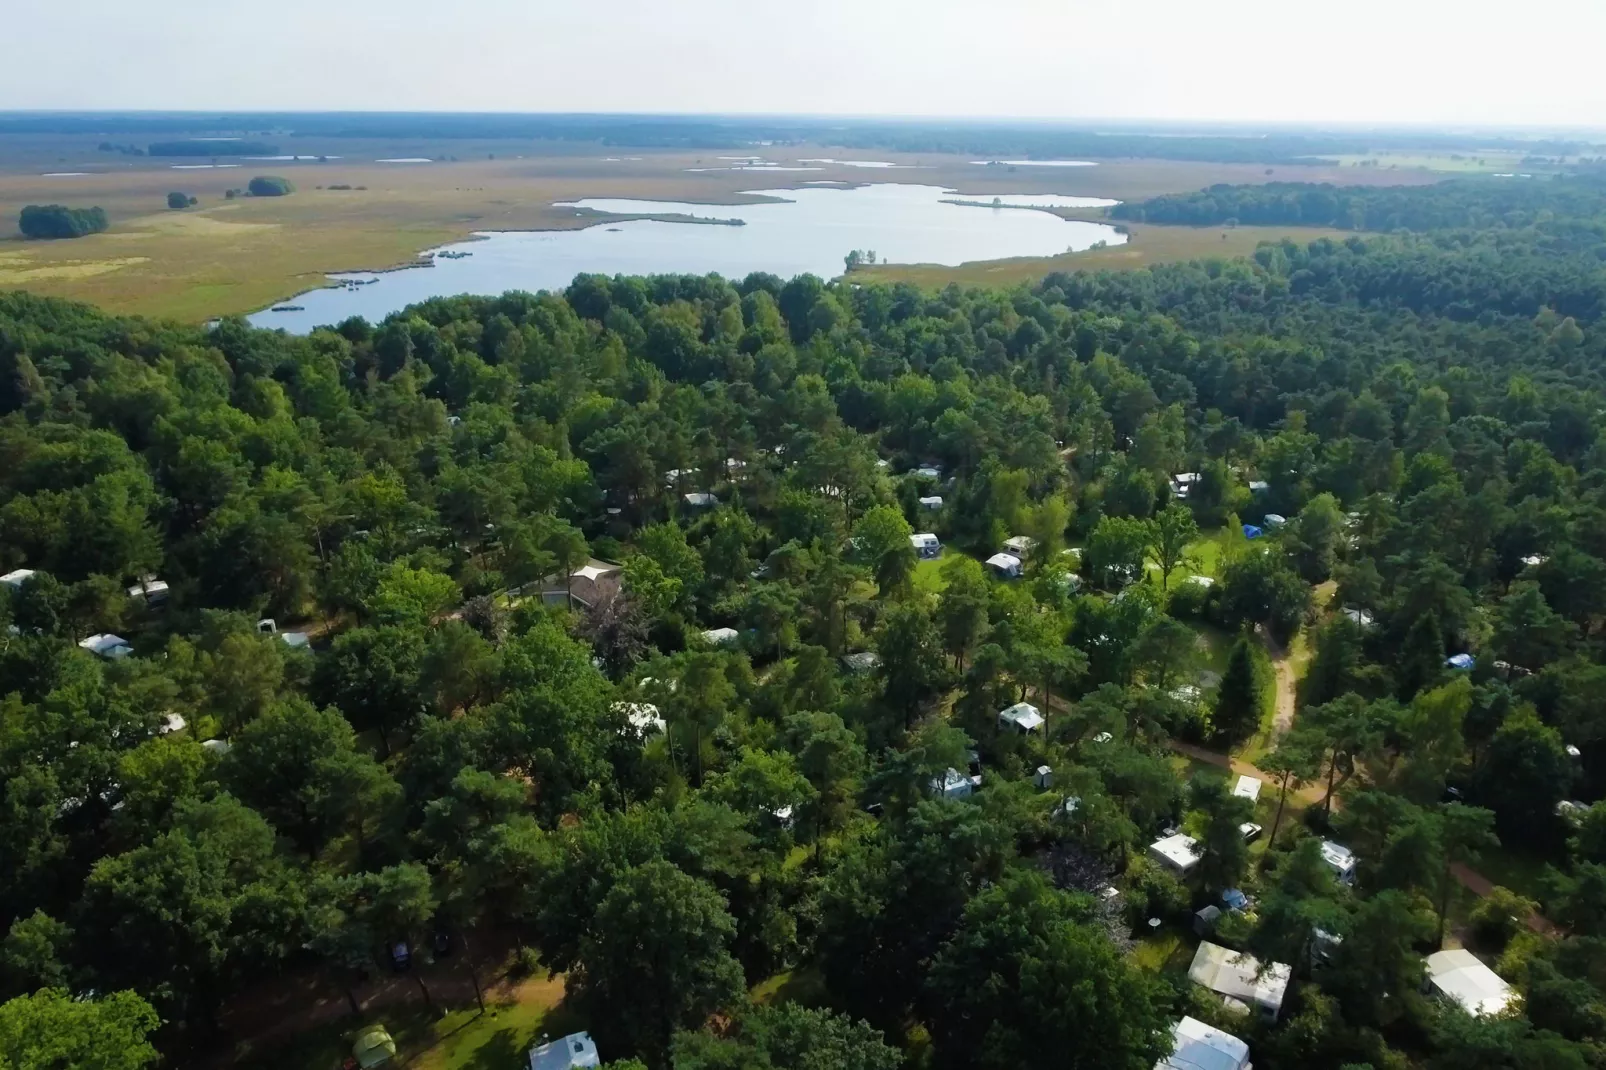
(1151, 892)
(526, 963)
(176, 201)
(1500, 916)
(270, 186)
(59, 221)
(1191, 601)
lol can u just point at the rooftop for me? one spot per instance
(18, 577)
(566, 1053)
(1240, 976)
(1196, 1046)
(1180, 850)
(1460, 976)
(107, 645)
(1023, 715)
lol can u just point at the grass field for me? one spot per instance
(461, 1039)
(238, 256)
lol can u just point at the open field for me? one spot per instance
(226, 257)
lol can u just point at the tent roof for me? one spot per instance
(1196, 1046)
(1460, 976)
(374, 1047)
(1239, 975)
(1004, 561)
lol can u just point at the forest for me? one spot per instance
(594, 622)
(1510, 201)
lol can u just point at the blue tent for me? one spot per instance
(1251, 532)
(1459, 661)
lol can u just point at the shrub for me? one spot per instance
(59, 221)
(176, 201)
(270, 186)
(1500, 916)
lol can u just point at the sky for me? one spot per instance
(1468, 62)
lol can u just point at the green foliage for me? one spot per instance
(1026, 981)
(787, 1037)
(179, 201)
(50, 1029)
(657, 959)
(270, 186)
(59, 221)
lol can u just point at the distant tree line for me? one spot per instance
(59, 221)
(990, 139)
(1480, 202)
(210, 147)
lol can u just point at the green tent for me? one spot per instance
(373, 1047)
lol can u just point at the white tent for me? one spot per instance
(1247, 787)
(16, 578)
(1196, 1046)
(1458, 975)
(1006, 565)
(107, 645)
(720, 636)
(1240, 976)
(931, 501)
(1023, 717)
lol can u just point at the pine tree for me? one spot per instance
(1238, 699)
(1421, 656)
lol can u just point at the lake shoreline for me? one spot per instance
(787, 231)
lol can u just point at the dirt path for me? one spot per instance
(1287, 680)
(1481, 886)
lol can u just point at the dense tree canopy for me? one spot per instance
(423, 635)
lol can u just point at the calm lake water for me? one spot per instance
(809, 230)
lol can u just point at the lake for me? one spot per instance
(802, 231)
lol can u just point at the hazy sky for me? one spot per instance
(1465, 61)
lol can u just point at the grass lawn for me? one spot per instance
(1167, 950)
(462, 1039)
(804, 985)
(928, 576)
